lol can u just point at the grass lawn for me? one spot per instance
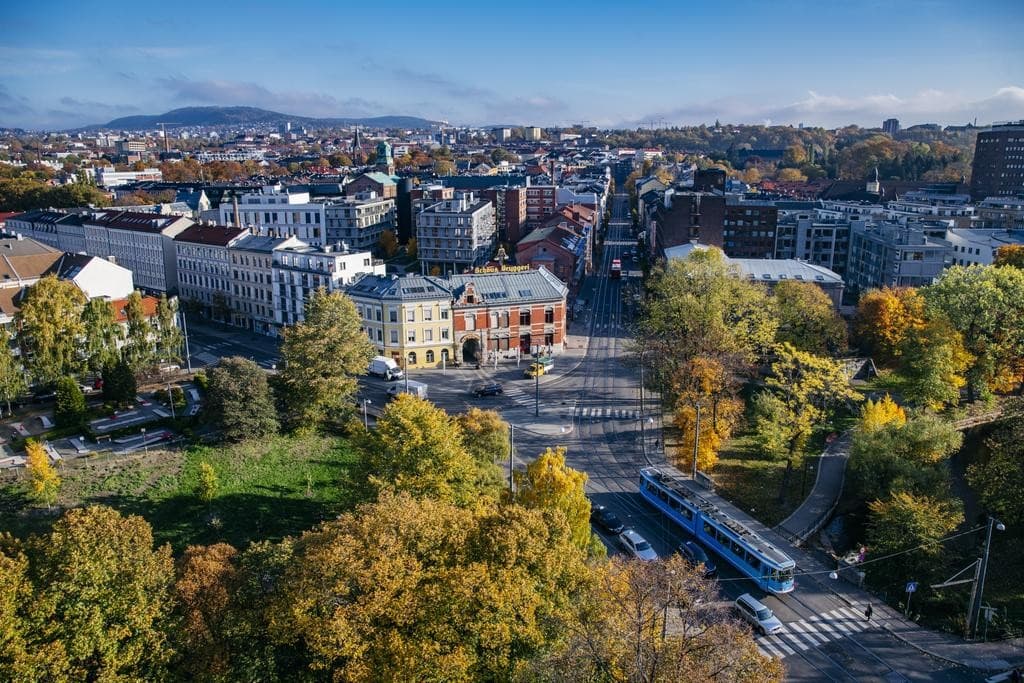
(753, 482)
(267, 490)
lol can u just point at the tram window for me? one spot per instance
(663, 495)
(687, 512)
(710, 530)
(749, 559)
(737, 549)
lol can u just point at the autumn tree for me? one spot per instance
(703, 381)
(209, 483)
(985, 304)
(901, 455)
(12, 374)
(1010, 255)
(808, 319)
(418, 589)
(101, 334)
(486, 437)
(790, 175)
(418, 448)
(658, 622)
(550, 484)
(388, 243)
(43, 481)
(239, 400)
(907, 522)
(50, 324)
(802, 392)
(932, 364)
(322, 357)
(105, 593)
(885, 317)
(203, 591)
(875, 415)
(412, 248)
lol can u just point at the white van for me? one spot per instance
(385, 367)
(757, 615)
(415, 388)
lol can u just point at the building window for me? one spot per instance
(410, 315)
(444, 333)
(430, 356)
(412, 358)
(428, 335)
(524, 317)
(393, 315)
(394, 336)
(549, 315)
(428, 313)
(411, 336)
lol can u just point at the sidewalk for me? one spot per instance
(817, 508)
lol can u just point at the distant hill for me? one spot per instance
(250, 116)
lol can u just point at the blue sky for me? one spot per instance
(825, 63)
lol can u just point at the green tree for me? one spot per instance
(119, 385)
(806, 389)
(43, 481)
(906, 522)
(12, 374)
(169, 337)
(418, 448)
(485, 437)
(50, 324)
(70, 408)
(998, 476)
(209, 484)
(239, 400)
(138, 350)
(104, 591)
(101, 334)
(388, 243)
(985, 304)
(550, 484)
(932, 364)
(323, 356)
(700, 307)
(807, 318)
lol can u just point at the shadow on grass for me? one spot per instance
(237, 519)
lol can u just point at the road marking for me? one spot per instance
(827, 629)
(769, 650)
(774, 640)
(801, 629)
(792, 638)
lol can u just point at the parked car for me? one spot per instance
(695, 555)
(535, 370)
(606, 519)
(637, 546)
(760, 617)
(386, 368)
(493, 389)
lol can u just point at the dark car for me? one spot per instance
(695, 555)
(606, 519)
(488, 390)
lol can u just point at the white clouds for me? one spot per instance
(928, 105)
(221, 92)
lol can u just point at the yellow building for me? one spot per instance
(407, 318)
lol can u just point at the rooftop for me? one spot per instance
(216, 235)
(508, 288)
(405, 288)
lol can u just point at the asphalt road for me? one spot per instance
(829, 640)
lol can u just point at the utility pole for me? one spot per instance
(184, 329)
(696, 442)
(511, 459)
(536, 389)
(979, 583)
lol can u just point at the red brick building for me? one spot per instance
(541, 204)
(506, 313)
(509, 211)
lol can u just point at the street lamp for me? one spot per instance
(696, 441)
(170, 399)
(366, 420)
(145, 444)
(979, 584)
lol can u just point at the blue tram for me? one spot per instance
(665, 488)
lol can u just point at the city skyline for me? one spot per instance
(66, 65)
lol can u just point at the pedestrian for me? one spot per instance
(1016, 676)
(657, 442)
(868, 612)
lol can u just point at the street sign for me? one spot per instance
(911, 586)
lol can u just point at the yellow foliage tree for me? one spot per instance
(549, 484)
(875, 415)
(885, 317)
(1010, 255)
(44, 482)
(388, 243)
(411, 248)
(705, 381)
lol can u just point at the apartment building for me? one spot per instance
(300, 270)
(64, 231)
(252, 281)
(204, 268)
(360, 220)
(820, 240)
(141, 242)
(277, 211)
(541, 204)
(407, 318)
(998, 167)
(894, 255)
(455, 234)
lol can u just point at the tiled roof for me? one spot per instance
(217, 235)
(120, 306)
(25, 259)
(405, 288)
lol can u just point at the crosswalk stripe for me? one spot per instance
(807, 633)
(763, 644)
(839, 625)
(792, 638)
(774, 640)
(825, 627)
(851, 619)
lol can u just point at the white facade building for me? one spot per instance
(359, 221)
(456, 234)
(107, 176)
(301, 270)
(141, 242)
(276, 212)
(204, 268)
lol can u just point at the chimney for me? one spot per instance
(238, 222)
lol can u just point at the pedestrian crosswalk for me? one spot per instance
(607, 414)
(518, 395)
(797, 636)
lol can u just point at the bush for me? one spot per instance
(201, 379)
(70, 403)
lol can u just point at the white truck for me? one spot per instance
(385, 367)
(408, 387)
